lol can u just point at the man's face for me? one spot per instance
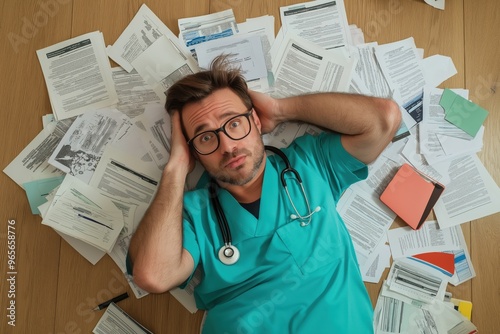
(235, 162)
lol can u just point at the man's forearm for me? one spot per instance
(368, 123)
(344, 113)
(156, 252)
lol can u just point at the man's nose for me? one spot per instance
(226, 144)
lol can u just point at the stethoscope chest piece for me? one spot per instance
(229, 254)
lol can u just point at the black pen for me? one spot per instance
(113, 300)
(94, 221)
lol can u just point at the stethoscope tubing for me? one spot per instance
(228, 253)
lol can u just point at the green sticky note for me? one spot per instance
(463, 113)
(447, 98)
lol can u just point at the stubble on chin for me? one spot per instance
(222, 176)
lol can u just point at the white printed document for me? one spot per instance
(78, 75)
(302, 67)
(134, 94)
(124, 176)
(161, 65)
(33, 162)
(408, 317)
(375, 271)
(115, 320)
(263, 27)
(80, 149)
(411, 280)
(322, 22)
(471, 194)
(369, 71)
(82, 212)
(367, 221)
(405, 242)
(200, 29)
(244, 51)
(437, 69)
(144, 29)
(401, 65)
(156, 122)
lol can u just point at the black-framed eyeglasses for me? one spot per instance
(236, 128)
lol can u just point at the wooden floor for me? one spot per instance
(56, 288)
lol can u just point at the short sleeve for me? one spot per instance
(190, 244)
(326, 154)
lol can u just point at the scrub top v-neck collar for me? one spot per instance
(242, 223)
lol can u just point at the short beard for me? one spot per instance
(224, 178)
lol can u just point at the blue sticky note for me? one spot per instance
(38, 189)
(463, 113)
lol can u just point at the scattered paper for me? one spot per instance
(405, 242)
(134, 94)
(416, 281)
(144, 29)
(115, 320)
(313, 52)
(471, 194)
(36, 191)
(88, 85)
(80, 149)
(377, 268)
(437, 69)
(82, 212)
(323, 23)
(244, 52)
(200, 29)
(439, 4)
(33, 161)
(402, 67)
(161, 65)
(394, 315)
(367, 220)
(301, 67)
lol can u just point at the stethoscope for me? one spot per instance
(228, 253)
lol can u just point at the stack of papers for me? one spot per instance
(80, 173)
(115, 320)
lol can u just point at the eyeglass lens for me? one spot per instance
(235, 128)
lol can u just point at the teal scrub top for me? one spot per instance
(289, 278)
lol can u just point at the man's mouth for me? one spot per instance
(236, 162)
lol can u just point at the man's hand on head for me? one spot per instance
(267, 109)
(180, 154)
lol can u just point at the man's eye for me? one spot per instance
(235, 124)
(206, 137)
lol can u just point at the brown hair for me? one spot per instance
(195, 87)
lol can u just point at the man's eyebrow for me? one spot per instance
(223, 117)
